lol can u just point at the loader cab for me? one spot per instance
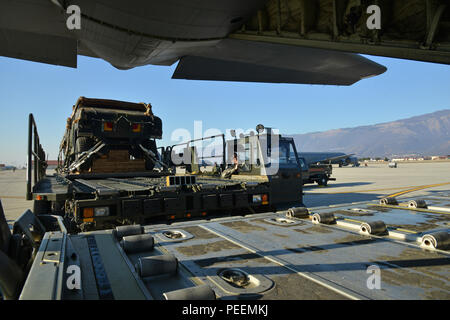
(273, 157)
(265, 153)
(303, 164)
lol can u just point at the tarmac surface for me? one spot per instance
(12, 194)
(377, 180)
(353, 184)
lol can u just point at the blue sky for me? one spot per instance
(407, 89)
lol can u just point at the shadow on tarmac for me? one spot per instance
(326, 199)
(332, 185)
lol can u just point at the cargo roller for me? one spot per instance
(157, 265)
(436, 240)
(373, 228)
(323, 218)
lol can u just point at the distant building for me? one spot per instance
(420, 158)
(440, 157)
(51, 164)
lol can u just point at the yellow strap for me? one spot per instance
(148, 106)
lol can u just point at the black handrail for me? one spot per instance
(36, 157)
(207, 138)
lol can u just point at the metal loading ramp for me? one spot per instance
(271, 256)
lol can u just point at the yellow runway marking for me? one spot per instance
(418, 188)
(407, 189)
(370, 190)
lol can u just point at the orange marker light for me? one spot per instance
(265, 199)
(172, 217)
(39, 198)
(188, 215)
(88, 212)
(203, 213)
(136, 127)
(107, 126)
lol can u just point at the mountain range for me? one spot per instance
(423, 135)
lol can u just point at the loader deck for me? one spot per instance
(282, 258)
(144, 198)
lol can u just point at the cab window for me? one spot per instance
(302, 163)
(286, 154)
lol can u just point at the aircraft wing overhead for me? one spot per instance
(197, 34)
(36, 31)
(249, 61)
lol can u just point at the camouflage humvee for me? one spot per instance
(108, 125)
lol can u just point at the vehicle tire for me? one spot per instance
(323, 181)
(41, 207)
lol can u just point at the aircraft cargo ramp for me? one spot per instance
(332, 252)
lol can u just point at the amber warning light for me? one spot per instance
(108, 126)
(136, 127)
